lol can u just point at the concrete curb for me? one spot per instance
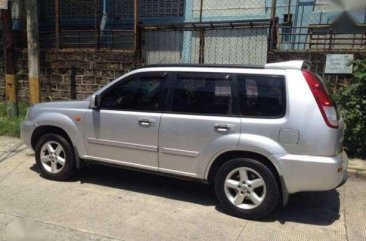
(357, 173)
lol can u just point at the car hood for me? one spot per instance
(83, 104)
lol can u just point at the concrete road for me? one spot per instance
(104, 203)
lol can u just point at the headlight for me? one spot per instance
(29, 116)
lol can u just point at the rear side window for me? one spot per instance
(262, 96)
(202, 95)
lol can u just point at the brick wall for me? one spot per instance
(70, 74)
(77, 74)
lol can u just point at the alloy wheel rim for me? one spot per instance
(245, 188)
(53, 157)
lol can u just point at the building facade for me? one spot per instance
(87, 43)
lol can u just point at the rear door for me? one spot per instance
(199, 122)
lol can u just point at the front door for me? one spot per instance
(125, 129)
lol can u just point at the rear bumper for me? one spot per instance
(313, 173)
(345, 177)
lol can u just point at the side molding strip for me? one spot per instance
(179, 152)
(123, 144)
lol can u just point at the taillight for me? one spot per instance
(325, 103)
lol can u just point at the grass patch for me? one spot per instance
(11, 127)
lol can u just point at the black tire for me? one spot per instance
(69, 167)
(272, 193)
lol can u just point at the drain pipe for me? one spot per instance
(103, 22)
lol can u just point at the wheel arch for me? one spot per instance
(223, 157)
(44, 129)
(52, 129)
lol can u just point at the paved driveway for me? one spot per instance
(104, 203)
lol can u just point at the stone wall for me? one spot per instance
(318, 61)
(67, 74)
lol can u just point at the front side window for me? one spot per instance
(137, 94)
(262, 96)
(202, 95)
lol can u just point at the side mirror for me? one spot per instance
(95, 102)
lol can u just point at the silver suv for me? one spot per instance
(259, 133)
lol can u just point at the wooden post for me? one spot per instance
(33, 50)
(10, 82)
(135, 25)
(273, 25)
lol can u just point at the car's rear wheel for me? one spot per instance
(55, 157)
(246, 188)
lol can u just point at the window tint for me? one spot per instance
(262, 96)
(202, 95)
(138, 94)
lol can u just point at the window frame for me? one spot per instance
(282, 77)
(234, 106)
(166, 76)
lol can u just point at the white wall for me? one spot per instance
(229, 9)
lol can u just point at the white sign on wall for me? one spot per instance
(3, 4)
(339, 64)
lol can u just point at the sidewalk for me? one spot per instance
(357, 168)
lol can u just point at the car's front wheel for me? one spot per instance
(55, 157)
(246, 188)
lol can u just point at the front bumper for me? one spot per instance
(313, 173)
(27, 127)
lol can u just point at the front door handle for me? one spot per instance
(146, 122)
(223, 127)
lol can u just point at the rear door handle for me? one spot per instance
(223, 127)
(146, 122)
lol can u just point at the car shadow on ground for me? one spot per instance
(320, 208)
(317, 208)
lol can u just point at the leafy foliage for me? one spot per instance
(352, 102)
(11, 127)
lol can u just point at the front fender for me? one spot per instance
(67, 124)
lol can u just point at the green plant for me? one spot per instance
(11, 127)
(351, 99)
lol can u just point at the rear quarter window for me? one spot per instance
(262, 96)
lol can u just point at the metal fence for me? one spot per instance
(108, 24)
(83, 24)
(300, 25)
(229, 42)
(321, 38)
(312, 26)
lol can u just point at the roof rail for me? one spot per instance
(206, 65)
(293, 64)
